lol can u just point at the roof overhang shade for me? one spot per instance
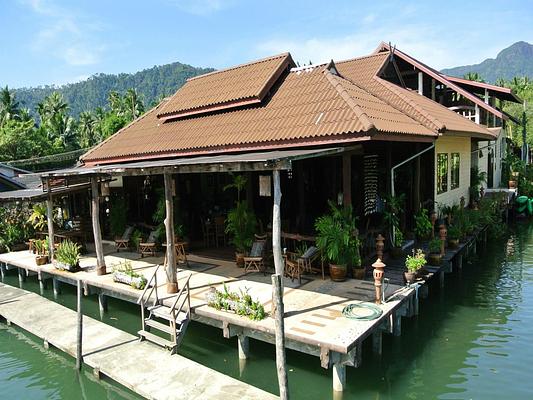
(264, 161)
(37, 194)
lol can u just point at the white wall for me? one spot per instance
(461, 145)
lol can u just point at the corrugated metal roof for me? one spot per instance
(236, 86)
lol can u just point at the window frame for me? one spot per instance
(442, 180)
(455, 170)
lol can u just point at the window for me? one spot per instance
(456, 166)
(442, 173)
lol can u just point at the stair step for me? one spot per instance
(163, 312)
(159, 326)
(156, 339)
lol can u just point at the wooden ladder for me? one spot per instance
(171, 321)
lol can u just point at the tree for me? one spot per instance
(474, 76)
(9, 107)
(133, 105)
(88, 134)
(20, 139)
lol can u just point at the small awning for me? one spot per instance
(37, 194)
(265, 161)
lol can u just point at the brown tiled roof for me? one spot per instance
(240, 85)
(307, 105)
(363, 72)
(312, 105)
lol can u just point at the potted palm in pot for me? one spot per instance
(41, 248)
(240, 225)
(338, 241)
(67, 256)
(434, 256)
(414, 263)
(454, 234)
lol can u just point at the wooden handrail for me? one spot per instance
(148, 286)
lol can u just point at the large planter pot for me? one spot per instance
(337, 272)
(41, 260)
(358, 272)
(67, 267)
(239, 259)
(434, 259)
(409, 277)
(396, 253)
(453, 243)
(512, 185)
(137, 282)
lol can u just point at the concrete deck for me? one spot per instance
(142, 367)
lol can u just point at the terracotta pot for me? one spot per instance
(337, 272)
(239, 259)
(512, 185)
(396, 252)
(409, 277)
(358, 272)
(434, 259)
(453, 243)
(41, 260)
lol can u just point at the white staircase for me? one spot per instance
(168, 320)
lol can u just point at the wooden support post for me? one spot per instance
(79, 347)
(95, 215)
(102, 302)
(276, 226)
(459, 261)
(441, 278)
(42, 285)
(377, 342)
(421, 83)
(171, 270)
(46, 345)
(416, 304)
(57, 286)
(50, 221)
(347, 179)
(22, 276)
(244, 346)
(3, 271)
(397, 324)
(416, 192)
(339, 377)
(278, 312)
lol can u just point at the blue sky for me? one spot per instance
(55, 41)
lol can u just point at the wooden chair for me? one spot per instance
(254, 262)
(207, 232)
(220, 230)
(124, 241)
(295, 265)
(148, 248)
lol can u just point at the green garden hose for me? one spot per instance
(367, 311)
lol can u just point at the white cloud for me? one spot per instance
(420, 41)
(64, 34)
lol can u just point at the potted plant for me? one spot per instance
(397, 250)
(358, 270)
(414, 262)
(68, 256)
(338, 241)
(454, 234)
(434, 256)
(123, 273)
(423, 224)
(41, 249)
(240, 225)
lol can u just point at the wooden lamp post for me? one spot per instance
(433, 220)
(380, 245)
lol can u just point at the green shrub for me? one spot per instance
(240, 303)
(415, 261)
(423, 224)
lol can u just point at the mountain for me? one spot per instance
(515, 60)
(151, 83)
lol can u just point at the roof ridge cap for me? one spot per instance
(280, 55)
(360, 114)
(437, 124)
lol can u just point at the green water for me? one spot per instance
(472, 340)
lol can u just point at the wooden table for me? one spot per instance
(181, 256)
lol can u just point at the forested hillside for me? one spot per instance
(151, 84)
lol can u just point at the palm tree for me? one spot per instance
(133, 104)
(116, 102)
(474, 76)
(87, 127)
(9, 107)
